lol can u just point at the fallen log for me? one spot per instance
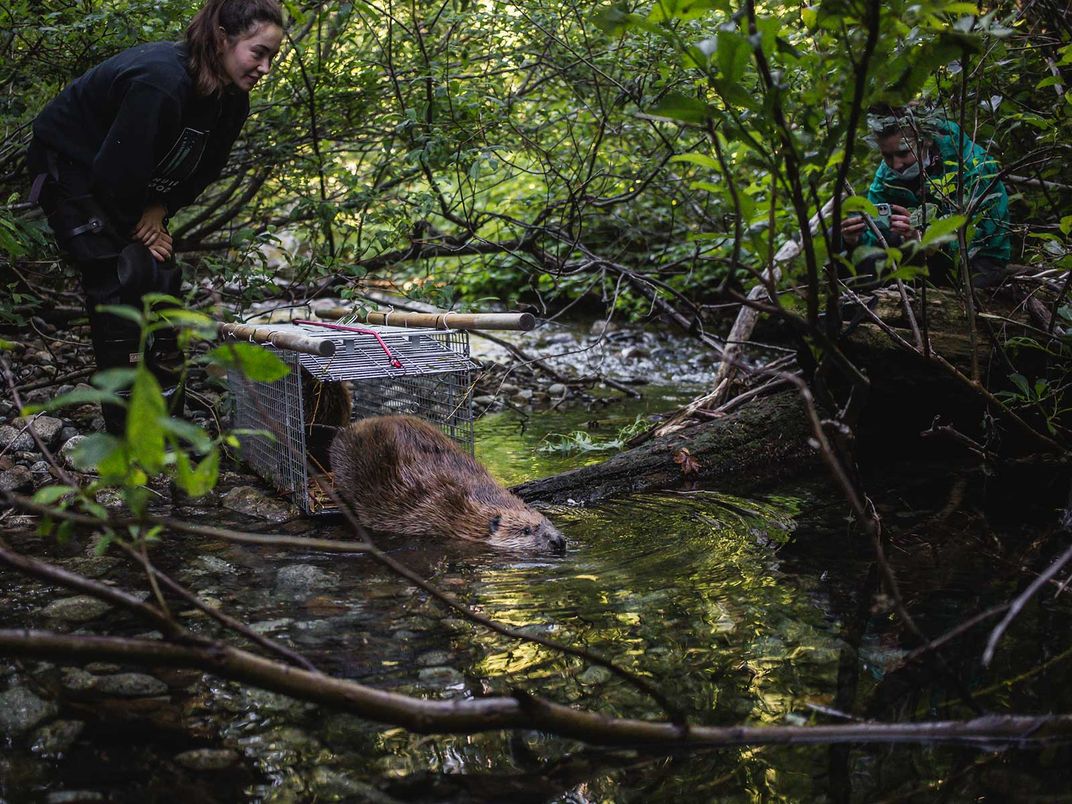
(764, 442)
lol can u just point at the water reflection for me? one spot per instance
(742, 610)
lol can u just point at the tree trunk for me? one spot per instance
(764, 442)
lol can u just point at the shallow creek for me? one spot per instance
(744, 610)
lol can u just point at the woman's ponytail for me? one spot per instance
(207, 31)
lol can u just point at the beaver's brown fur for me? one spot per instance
(402, 475)
(326, 407)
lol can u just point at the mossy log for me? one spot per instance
(764, 442)
(767, 440)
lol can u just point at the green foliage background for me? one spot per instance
(558, 148)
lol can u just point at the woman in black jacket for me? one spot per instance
(128, 144)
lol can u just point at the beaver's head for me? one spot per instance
(525, 529)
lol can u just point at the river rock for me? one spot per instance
(440, 676)
(213, 565)
(557, 389)
(252, 502)
(207, 759)
(56, 737)
(66, 434)
(433, 658)
(332, 784)
(130, 685)
(41, 471)
(46, 427)
(301, 580)
(75, 679)
(73, 796)
(594, 675)
(21, 710)
(18, 478)
(77, 609)
(15, 439)
(92, 566)
(68, 447)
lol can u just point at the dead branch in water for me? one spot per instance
(520, 711)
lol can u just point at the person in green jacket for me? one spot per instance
(921, 157)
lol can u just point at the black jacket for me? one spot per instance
(136, 131)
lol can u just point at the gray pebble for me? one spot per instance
(17, 478)
(15, 439)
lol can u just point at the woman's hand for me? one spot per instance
(150, 231)
(852, 228)
(901, 223)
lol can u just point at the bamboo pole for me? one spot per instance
(521, 322)
(280, 339)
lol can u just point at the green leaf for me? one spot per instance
(116, 379)
(51, 494)
(201, 479)
(92, 451)
(179, 317)
(732, 54)
(942, 230)
(79, 396)
(859, 203)
(189, 432)
(683, 108)
(698, 159)
(615, 20)
(255, 362)
(145, 436)
(1020, 381)
(123, 311)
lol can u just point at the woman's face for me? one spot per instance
(248, 57)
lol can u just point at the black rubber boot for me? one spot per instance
(115, 353)
(166, 360)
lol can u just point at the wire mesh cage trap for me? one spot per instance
(422, 372)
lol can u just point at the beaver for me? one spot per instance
(326, 407)
(402, 475)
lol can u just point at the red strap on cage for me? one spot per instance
(359, 330)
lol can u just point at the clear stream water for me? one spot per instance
(743, 610)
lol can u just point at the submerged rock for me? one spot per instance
(130, 685)
(208, 759)
(57, 737)
(440, 676)
(70, 796)
(21, 710)
(301, 580)
(595, 675)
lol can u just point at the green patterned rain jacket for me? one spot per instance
(988, 232)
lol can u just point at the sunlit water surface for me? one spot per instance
(692, 589)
